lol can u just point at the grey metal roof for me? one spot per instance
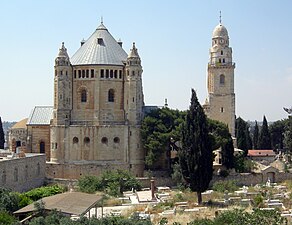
(40, 115)
(101, 49)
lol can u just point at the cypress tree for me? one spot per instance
(242, 135)
(195, 156)
(256, 136)
(288, 135)
(2, 138)
(265, 137)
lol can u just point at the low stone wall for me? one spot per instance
(74, 171)
(23, 174)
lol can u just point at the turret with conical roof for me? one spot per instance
(135, 98)
(62, 87)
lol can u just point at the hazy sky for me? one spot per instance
(173, 39)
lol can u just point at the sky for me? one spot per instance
(173, 39)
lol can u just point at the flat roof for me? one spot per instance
(73, 203)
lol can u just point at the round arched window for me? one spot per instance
(116, 140)
(104, 140)
(75, 140)
(86, 140)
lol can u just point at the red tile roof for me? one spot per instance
(261, 152)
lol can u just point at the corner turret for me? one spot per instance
(62, 88)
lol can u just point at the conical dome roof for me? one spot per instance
(220, 31)
(100, 49)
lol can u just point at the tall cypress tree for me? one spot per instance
(265, 137)
(256, 136)
(242, 135)
(2, 138)
(196, 156)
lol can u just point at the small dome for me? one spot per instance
(220, 31)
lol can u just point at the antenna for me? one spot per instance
(220, 17)
(101, 19)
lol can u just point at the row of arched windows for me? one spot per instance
(84, 73)
(106, 73)
(111, 95)
(104, 140)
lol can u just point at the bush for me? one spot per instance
(41, 192)
(222, 186)
(112, 182)
(6, 218)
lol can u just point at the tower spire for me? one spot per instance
(101, 20)
(220, 17)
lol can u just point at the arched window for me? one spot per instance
(4, 177)
(42, 147)
(104, 140)
(111, 95)
(222, 79)
(116, 140)
(86, 140)
(15, 174)
(83, 95)
(38, 169)
(75, 140)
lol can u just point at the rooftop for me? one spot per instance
(100, 49)
(72, 203)
(40, 115)
(20, 124)
(262, 153)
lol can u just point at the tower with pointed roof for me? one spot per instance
(220, 103)
(62, 87)
(98, 101)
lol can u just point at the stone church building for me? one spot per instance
(94, 124)
(98, 106)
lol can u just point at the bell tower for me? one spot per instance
(220, 104)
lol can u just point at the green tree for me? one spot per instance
(277, 131)
(114, 182)
(8, 200)
(2, 138)
(157, 128)
(6, 218)
(195, 156)
(242, 135)
(256, 136)
(288, 135)
(223, 140)
(265, 137)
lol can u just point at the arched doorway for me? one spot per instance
(42, 147)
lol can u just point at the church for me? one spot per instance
(94, 124)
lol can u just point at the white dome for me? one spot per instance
(220, 31)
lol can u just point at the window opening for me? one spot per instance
(83, 96)
(111, 95)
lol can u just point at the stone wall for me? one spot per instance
(39, 135)
(23, 174)
(76, 170)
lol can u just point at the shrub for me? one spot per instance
(222, 186)
(112, 182)
(41, 192)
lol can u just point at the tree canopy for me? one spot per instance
(244, 141)
(196, 156)
(2, 138)
(265, 137)
(223, 140)
(157, 128)
(255, 139)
